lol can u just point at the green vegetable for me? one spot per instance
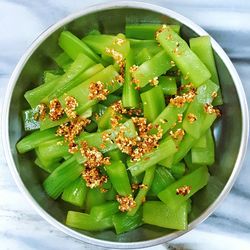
(159, 214)
(153, 103)
(151, 69)
(185, 59)
(104, 210)
(41, 93)
(73, 46)
(94, 198)
(202, 47)
(81, 92)
(119, 178)
(62, 177)
(193, 181)
(146, 31)
(124, 223)
(87, 222)
(162, 179)
(76, 192)
(33, 140)
(168, 85)
(130, 96)
(206, 155)
(141, 196)
(165, 149)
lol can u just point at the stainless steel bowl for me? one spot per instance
(231, 130)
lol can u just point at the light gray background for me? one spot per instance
(21, 21)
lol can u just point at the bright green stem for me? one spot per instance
(87, 222)
(159, 214)
(195, 181)
(110, 100)
(162, 179)
(130, 96)
(73, 46)
(190, 165)
(53, 149)
(188, 141)
(185, 59)
(141, 195)
(165, 149)
(139, 45)
(110, 195)
(169, 116)
(146, 31)
(168, 85)
(76, 192)
(62, 177)
(124, 223)
(204, 96)
(33, 140)
(81, 92)
(63, 60)
(142, 56)
(153, 68)
(153, 103)
(94, 198)
(81, 78)
(205, 155)
(202, 47)
(41, 93)
(105, 210)
(201, 142)
(118, 175)
(48, 166)
(98, 42)
(168, 162)
(178, 170)
(117, 155)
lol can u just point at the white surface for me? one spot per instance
(21, 22)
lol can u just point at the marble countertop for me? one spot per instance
(21, 21)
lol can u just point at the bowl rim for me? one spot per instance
(108, 6)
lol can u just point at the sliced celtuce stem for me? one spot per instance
(104, 210)
(87, 222)
(81, 78)
(202, 47)
(130, 96)
(41, 93)
(165, 149)
(76, 192)
(62, 177)
(119, 178)
(168, 85)
(141, 195)
(33, 140)
(73, 46)
(186, 60)
(146, 31)
(153, 103)
(173, 196)
(152, 69)
(81, 92)
(124, 223)
(159, 214)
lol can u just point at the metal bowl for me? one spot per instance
(231, 130)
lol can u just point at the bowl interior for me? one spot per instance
(227, 129)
